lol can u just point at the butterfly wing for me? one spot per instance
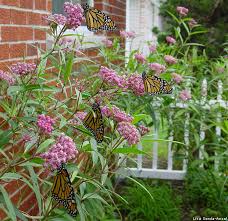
(94, 123)
(97, 20)
(166, 87)
(63, 192)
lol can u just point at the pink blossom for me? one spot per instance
(158, 68)
(45, 123)
(177, 78)
(170, 40)
(22, 68)
(58, 19)
(129, 132)
(110, 77)
(127, 34)
(152, 48)
(61, 152)
(66, 41)
(116, 114)
(74, 15)
(220, 69)
(185, 95)
(143, 130)
(6, 76)
(170, 59)
(182, 11)
(107, 43)
(192, 23)
(26, 138)
(79, 116)
(135, 83)
(140, 58)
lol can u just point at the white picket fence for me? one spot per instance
(169, 173)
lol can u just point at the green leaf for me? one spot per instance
(69, 66)
(9, 205)
(139, 117)
(45, 144)
(94, 196)
(5, 137)
(11, 176)
(129, 150)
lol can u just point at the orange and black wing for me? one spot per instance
(63, 192)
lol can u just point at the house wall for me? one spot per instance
(21, 28)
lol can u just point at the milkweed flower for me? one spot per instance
(158, 68)
(116, 114)
(74, 15)
(192, 23)
(140, 58)
(182, 10)
(45, 123)
(22, 68)
(6, 76)
(58, 19)
(177, 78)
(152, 48)
(143, 130)
(170, 40)
(127, 34)
(62, 151)
(135, 83)
(26, 138)
(79, 115)
(129, 132)
(185, 95)
(170, 59)
(107, 43)
(110, 77)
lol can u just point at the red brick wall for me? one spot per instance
(20, 21)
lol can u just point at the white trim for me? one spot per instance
(23, 42)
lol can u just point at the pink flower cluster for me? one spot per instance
(107, 43)
(185, 95)
(45, 123)
(135, 83)
(143, 130)
(79, 115)
(140, 58)
(110, 77)
(182, 11)
(170, 59)
(6, 76)
(152, 48)
(177, 78)
(116, 114)
(26, 138)
(74, 15)
(22, 68)
(170, 40)
(158, 68)
(127, 34)
(192, 23)
(61, 152)
(129, 132)
(58, 19)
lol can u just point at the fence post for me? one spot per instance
(155, 146)
(170, 151)
(139, 157)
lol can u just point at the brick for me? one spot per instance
(39, 34)
(4, 51)
(4, 16)
(27, 203)
(2, 214)
(16, 33)
(17, 50)
(34, 18)
(10, 2)
(17, 17)
(49, 5)
(40, 4)
(26, 4)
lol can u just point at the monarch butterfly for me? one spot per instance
(97, 20)
(155, 85)
(62, 190)
(94, 122)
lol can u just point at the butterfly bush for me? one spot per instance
(143, 130)
(170, 59)
(62, 151)
(140, 58)
(22, 68)
(170, 40)
(74, 15)
(45, 123)
(6, 76)
(185, 95)
(182, 11)
(157, 68)
(129, 132)
(177, 78)
(116, 114)
(135, 83)
(110, 77)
